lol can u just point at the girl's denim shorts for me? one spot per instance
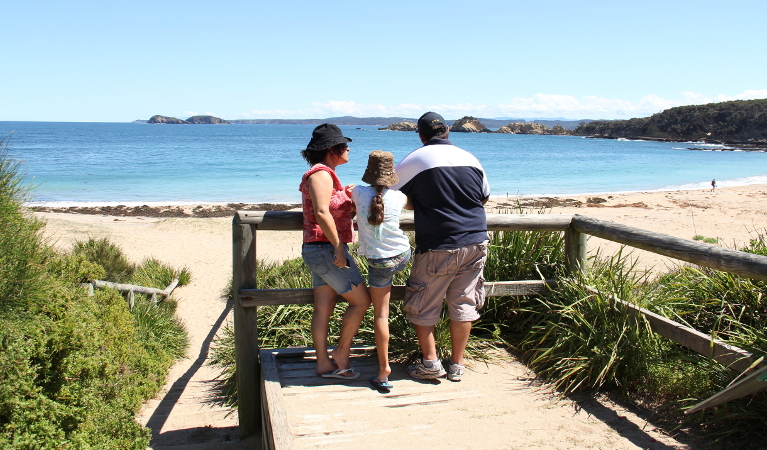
(319, 258)
(381, 271)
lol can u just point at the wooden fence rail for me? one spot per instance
(131, 289)
(740, 263)
(250, 379)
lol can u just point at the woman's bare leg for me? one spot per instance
(324, 303)
(380, 297)
(359, 302)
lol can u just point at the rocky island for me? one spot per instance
(468, 124)
(401, 126)
(197, 120)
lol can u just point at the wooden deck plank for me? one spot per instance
(276, 429)
(496, 399)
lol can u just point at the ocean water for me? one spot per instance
(72, 164)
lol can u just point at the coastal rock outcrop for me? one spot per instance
(401, 126)
(531, 128)
(468, 124)
(197, 120)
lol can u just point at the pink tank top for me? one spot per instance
(340, 208)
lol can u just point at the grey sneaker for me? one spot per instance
(421, 372)
(455, 371)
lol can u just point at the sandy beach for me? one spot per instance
(184, 415)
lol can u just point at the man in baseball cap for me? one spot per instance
(447, 188)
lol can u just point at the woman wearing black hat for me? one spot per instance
(328, 227)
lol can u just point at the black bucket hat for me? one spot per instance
(326, 136)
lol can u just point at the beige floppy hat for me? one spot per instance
(380, 170)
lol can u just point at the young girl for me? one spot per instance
(385, 246)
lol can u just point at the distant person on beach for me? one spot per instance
(385, 246)
(327, 211)
(446, 187)
(713, 184)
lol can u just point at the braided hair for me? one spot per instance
(376, 216)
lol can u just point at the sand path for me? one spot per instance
(185, 415)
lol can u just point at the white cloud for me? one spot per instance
(692, 98)
(539, 105)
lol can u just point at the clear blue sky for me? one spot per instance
(108, 61)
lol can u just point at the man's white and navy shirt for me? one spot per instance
(446, 186)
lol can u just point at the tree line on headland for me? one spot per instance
(741, 123)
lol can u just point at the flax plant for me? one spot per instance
(580, 339)
(730, 308)
(154, 273)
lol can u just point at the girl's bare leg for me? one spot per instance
(380, 297)
(359, 302)
(324, 303)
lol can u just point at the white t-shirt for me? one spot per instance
(385, 240)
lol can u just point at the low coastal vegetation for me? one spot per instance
(576, 338)
(75, 368)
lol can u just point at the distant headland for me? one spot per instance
(738, 124)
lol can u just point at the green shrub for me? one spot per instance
(21, 274)
(74, 369)
(109, 256)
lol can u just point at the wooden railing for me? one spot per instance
(575, 228)
(130, 289)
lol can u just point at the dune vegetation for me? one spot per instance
(75, 368)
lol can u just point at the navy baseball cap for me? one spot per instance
(429, 120)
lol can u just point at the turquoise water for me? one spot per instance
(130, 164)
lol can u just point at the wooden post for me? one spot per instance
(246, 330)
(575, 250)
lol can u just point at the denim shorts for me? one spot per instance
(319, 258)
(381, 271)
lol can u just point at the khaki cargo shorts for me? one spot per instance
(454, 275)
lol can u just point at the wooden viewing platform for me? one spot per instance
(281, 397)
(498, 401)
